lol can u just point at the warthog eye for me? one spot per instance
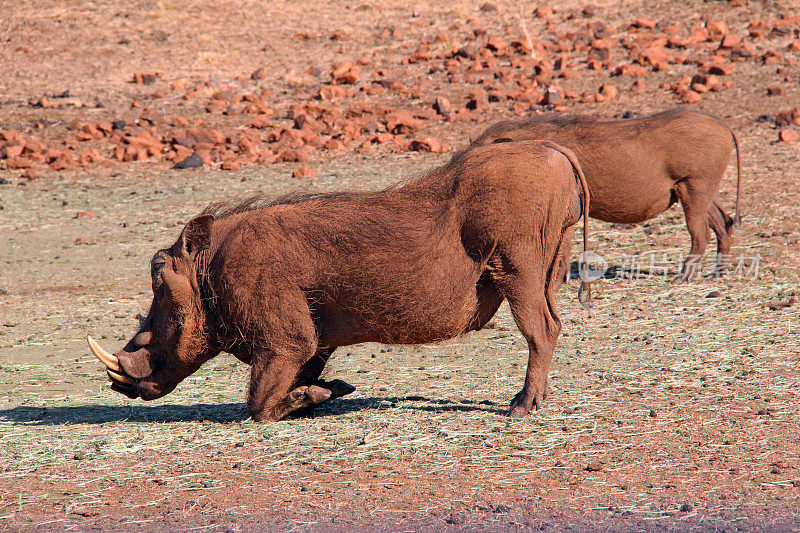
(156, 265)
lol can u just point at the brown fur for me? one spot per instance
(282, 284)
(637, 168)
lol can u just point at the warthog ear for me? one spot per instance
(196, 236)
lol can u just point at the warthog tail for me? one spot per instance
(737, 217)
(585, 290)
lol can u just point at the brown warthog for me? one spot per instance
(637, 168)
(282, 285)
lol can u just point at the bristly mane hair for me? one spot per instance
(260, 201)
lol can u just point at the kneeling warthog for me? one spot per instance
(637, 168)
(281, 285)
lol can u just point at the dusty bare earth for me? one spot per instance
(670, 407)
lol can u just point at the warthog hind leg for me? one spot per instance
(530, 294)
(722, 225)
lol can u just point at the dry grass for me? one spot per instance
(666, 406)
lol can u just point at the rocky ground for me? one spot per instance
(671, 407)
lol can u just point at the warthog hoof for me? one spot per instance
(522, 404)
(337, 387)
(303, 396)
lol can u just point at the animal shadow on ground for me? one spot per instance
(222, 413)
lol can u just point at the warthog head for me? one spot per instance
(171, 342)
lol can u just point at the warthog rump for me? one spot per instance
(639, 167)
(281, 285)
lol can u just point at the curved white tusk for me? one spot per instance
(110, 360)
(116, 376)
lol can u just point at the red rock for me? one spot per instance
(259, 74)
(328, 92)
(643, 22)
(231, 165)
(142, 142)
(266, 157)
(401, 121)
(698, 36)
(29, 174)
(334, 145)
(784, 118)
(544, 12)
(775, 90)
(382, 138)
(731, 40)
(205, 155)
(443, 106)
(771, 57)
(426, 144)
(608, 91)
(85, 214)
(496, 44)
(340, 35)
(345, 73)
(676, 41)
(10, 136)
(18, 163)
(291, 155)
(304, 172)
(182, 152)
(638, 86)
(691, 97)
(721, 69)
(87, 157)
(33, 146)
(11, 151)
(713, 83)
(292, 138)
(203, 135)
(553, 95)
(140, 77)
(216, 106)
(261, 122)
(178, 85)
(789, 136)
(477, 99)
(600, 44)
(716, 28)
(181, 122)
(63, 162)
(630, 70)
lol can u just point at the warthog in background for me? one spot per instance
(637, 168)
(282, 285)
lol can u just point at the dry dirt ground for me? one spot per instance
(670, 407)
